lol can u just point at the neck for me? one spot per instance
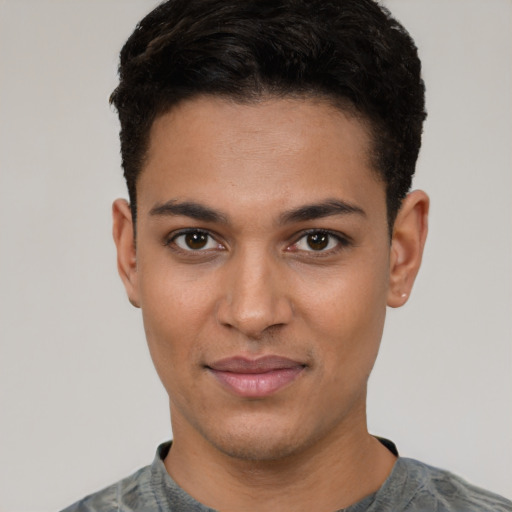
(333, 473)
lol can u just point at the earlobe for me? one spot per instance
(122, 231)
(408, 240)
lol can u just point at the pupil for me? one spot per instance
(318, 241)
(196, 240)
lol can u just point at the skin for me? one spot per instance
(259, 286)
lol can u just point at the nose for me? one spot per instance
(255, 295)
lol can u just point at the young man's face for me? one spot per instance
(262, 269)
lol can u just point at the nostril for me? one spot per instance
(253, 300)
(255, 322)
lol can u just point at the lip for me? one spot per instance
(255, 378)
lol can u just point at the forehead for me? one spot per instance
(287, 150)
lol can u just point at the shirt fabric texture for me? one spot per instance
(412, 486)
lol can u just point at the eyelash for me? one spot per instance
(170, 241)
(341, 242)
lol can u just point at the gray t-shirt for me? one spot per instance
(412, 486)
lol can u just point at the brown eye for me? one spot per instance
(195, 241)
(317, 241)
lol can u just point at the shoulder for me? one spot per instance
(127, 494)
(432, 488)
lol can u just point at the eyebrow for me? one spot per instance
(303, 213)
(188, 209)
(320, 210)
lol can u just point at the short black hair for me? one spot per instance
(352, 52)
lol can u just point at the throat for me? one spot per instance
(310, 481)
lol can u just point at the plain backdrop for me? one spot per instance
(80, 403)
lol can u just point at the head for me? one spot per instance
(268, 149)
(351, 53)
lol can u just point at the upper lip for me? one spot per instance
(240, 364)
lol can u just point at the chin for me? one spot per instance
(257, 450)
(264, 442)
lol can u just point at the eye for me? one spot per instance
(195, 240)
(318, 241)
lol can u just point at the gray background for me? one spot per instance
(80, 404)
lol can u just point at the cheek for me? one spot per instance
(349, 314)
(175, 312)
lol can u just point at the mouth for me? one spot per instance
(255, 378)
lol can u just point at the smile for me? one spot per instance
(256, 378)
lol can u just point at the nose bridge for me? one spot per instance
(254, 297)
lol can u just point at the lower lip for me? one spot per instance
(257, 385)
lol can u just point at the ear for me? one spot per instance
(122, 231)
(407, 243)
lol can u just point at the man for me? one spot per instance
(268, 149)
